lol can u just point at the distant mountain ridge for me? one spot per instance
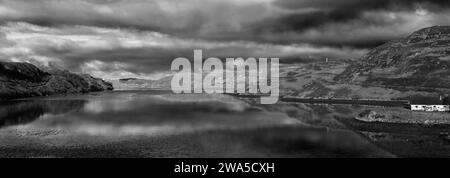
(142, 84)
(421, 60)
(18, 80)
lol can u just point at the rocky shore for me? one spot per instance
(20, 80)
(403, 116)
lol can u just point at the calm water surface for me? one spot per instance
(160, 124)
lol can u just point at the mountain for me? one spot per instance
(142, 84)
(420, 61)
(18, 80)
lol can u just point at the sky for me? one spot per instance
(139, 38)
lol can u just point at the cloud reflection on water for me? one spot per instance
(130, 114)
(148, 124)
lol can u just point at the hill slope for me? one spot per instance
(18, 80)
(421, 60)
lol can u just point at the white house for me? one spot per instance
(430, 104)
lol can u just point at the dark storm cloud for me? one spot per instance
(355, 6)
(344, 12)
(168, 16)
(253, 20)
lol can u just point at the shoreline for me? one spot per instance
(366, 102)
(383, 111)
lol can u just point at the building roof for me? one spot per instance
(429, 101)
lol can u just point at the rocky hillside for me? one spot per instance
(419, 61)
(18, 80)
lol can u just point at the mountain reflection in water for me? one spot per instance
(160, 124)
(22, 112)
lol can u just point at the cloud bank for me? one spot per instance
(137, 38)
